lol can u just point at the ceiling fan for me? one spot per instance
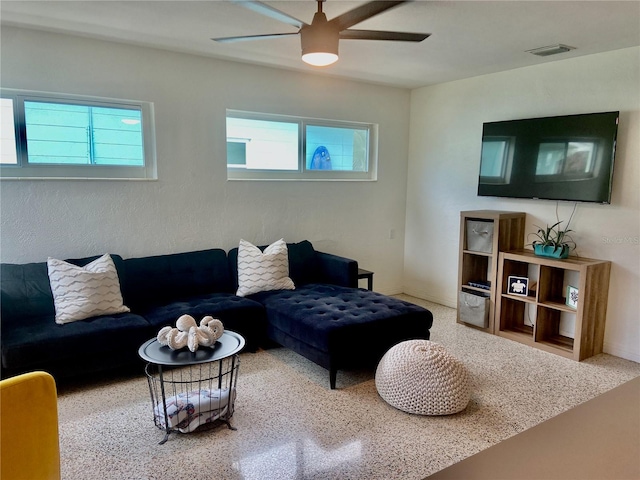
(320, 38)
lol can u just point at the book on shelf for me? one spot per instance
(481, 284)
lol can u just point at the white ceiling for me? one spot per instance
(469, 38)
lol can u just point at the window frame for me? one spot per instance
(24, 170)
(302, 172)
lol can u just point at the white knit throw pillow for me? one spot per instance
(84, 292)
(261, 271)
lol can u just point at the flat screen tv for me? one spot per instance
(569, 158)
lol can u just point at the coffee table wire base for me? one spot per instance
(186, 398)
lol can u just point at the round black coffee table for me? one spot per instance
(190, 389)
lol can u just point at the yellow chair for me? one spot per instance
(29, 445)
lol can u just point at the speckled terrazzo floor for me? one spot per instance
(291, 426)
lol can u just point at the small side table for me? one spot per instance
(362, 273)
(189, 389)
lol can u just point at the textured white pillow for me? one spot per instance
(84, 292)
(261, 271)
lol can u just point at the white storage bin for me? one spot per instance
(474, 309)
(479, 236)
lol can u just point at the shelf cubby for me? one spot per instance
(514, 319)
(548, 330)
(476, 269)
(552, 280)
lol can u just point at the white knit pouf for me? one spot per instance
(419, 376)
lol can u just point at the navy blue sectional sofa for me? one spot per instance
(326, 318)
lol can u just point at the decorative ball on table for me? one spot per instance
(187, 333)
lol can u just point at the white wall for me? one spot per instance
(444, 154)
(192, 206)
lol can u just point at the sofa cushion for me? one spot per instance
(218, 305)
(238, 314)
(260, 271)
(84, 292)
(344, 320)
(303, 263)
(159, 280)
(43, 341)
(25, 294)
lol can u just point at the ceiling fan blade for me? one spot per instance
(270, 12)
(243, 38)
(363, 12)
(379, 35)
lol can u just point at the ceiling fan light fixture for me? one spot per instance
(319, 59)
(319, 42)
(320, 38)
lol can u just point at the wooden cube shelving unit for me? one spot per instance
(536, 319)
(481, 267)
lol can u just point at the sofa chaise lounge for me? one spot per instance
(326, 318)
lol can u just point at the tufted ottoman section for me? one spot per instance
(339, 327)
(419, 376)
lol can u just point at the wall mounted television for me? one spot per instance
(568, 157)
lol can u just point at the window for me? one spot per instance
(65, 136)
(7, 132)
(276, 147)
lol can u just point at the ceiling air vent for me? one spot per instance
(551, 50)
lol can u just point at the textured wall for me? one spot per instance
(444, 156)
(192, 205)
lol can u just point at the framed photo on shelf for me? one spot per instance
(518, 286)
(572, 297)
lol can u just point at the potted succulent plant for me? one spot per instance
(553, 241)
